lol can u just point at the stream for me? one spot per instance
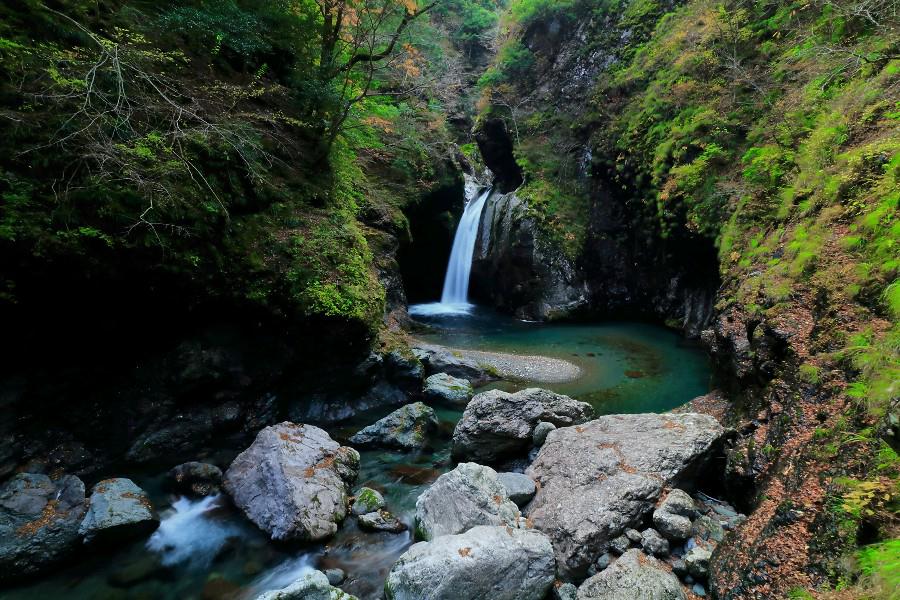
(204, 549)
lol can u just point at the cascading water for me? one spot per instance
(455, 297)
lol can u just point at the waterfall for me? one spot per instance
(455, 297)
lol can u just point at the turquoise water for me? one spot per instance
(215, 553)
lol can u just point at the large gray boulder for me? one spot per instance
(438, 359)
(293, 482)
(497, 424)
(519, 487)
(499, 563)
(407, 428)
(634, 575)
(39, 520)
(118, 509)
(442, 387)
(467, 496)
(598, 479)
(312, 586)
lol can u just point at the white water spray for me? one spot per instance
(191, 534)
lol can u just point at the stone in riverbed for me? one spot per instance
(463, 498)
(407, 428)
(381, 520)
(39, 520)
(293, 482)
(519, 487)
(442, 360)
(118, 510)
(367, 500)
(197, 478)
(499, 563)
(653, 543)
(673, 516)
(696, 561)
(598, 479)
(634, 575)
(497, 424)
(312, 586)
(445, 388)
(541, 431)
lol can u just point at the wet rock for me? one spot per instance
(381, 520)
(335, 576)
(598, 479)
(312, 586)
(673, 516)
(499, 563)
(467, 496)
(707, 529)
(196, 478)
(519, 487)
(653, 543)
(566, 591)
(403, 367)
(696, 561)
(497, 424)
(634, 575)
(293, 481)
(367, 500)
(604, 561)
(699, 590)
(620, 544)
(39, 520)
(118, 510)
(445, 388)
(407, 428)
(148, 567)
(541, 431)
(441, 360)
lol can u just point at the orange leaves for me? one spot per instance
(412, 61)
(379, 122)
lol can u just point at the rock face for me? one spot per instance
(39, 521)
(519, 487)
(407, 428)
(312, 586)
(197, 478)
(598, 479)
(497, 424)
(445, 388)
(633, 576)
(499, 563)
(467, 496)
(292, 482)
(517, 270)
(118, 509)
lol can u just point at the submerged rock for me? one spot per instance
(634, 575)
(293, 482)
(39, 520)
(118, 509)
(407, 428)
(497, 424)
(196, 478)
(367, 500)
(499, 563)
(467, 496)
(598, 479)
(381, 520)
(312, 586)
(519, 487)
(442, 387)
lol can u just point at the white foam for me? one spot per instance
(436, 309)
(190, 535)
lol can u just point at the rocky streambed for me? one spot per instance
(507, 494)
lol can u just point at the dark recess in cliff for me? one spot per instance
(496, 148)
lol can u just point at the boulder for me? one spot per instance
(541, 431)
(293, 482)
(497, 424)
(441, 360)
(634, 575)
(707, 529)
(407, 428)
(520, 488)
(118, 509)
(653, 543)
(448, 389)
(39, 520)
(381, 520)
(367, 500)
(196, 478)
(335, 576)
(598, 479)
(403, 367)
(696, 561)
(463, 498)
(312, 586)
(673, 516)
(499, 563)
